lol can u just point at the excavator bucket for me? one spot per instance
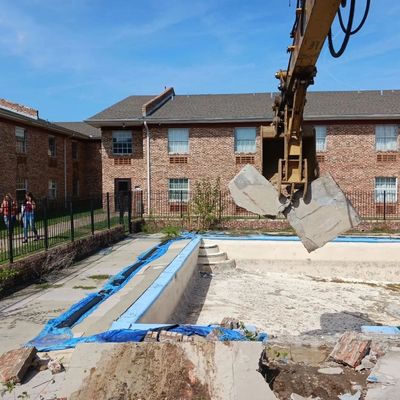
(319, 217)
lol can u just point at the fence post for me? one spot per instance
(46, 224)
(384, 205)
(92, 216)
(220, 206)
(121, 202)
(181, 207)
(108, 211)
(71, 215)
(130, 211)
(10, 232)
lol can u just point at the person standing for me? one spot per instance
(28, 216)
(8, 208)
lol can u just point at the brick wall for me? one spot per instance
(351, 157)
(211, 155)
(123, 167)
(38, 168)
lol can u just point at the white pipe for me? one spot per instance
(65, 168)
(148, 167)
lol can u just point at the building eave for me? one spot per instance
(41, 124)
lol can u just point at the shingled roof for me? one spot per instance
(254, 107)
(83, 128)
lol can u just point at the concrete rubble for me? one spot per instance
(351, 349)
(15, 363)
(385, 377)
(250, 190)
(318, 218)
(212, 370)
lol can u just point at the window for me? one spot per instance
(386, 190)
(122, 142)
(178, 141)
(74, 151)
(386, 137)
(178, 190)
(320, 138)
(52, 152)
(245, 140)
(52, 193)
(22, 188)
(20, 135)
(75, 187)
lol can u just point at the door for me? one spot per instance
(122, 187)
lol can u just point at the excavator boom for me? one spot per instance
(313, 22)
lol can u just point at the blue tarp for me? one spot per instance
(58, 330)
(137, 335)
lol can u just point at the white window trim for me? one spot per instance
(176, 190)
(188, 140)
(48, 146)
(322, 149)
(389, 193)
(50, 187)
(25, 139)
(377, 144)
(112, 142)
(235, 140)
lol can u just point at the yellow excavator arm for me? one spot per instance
(313, 22)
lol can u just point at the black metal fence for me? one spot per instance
(163, 204)
(57, 221)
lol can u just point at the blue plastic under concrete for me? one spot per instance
(137, 335)
(280, 238)
(133, 314)
(59, 329)
(381, 330)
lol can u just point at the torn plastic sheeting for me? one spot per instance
(137, 335)
(380, 330)
(280, 238)
(59, 328)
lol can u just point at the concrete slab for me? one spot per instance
(109, 311)
(386, 374)
(23, 315)
(251, 191)
(208, 370)
(322, 215)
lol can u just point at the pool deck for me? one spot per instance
(24, 314)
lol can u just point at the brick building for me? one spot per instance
(168, 142)
(48, 159)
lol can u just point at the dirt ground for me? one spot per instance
(296, 301)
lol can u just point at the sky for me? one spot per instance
(73, 58)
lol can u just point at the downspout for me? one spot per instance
(148, 166)
(65, 168)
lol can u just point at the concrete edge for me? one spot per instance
(149, 299)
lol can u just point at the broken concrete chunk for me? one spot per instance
(15, 363)
(55, 366)
(295, 396)
(355, 396)
(331, 371)
(251, 191)
(230, 323)
(169, 337)
(151, 337)
(350, 349)
(322, 215)
(40, 363)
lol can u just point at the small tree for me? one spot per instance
(207, 203)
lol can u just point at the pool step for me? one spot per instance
(211, 259)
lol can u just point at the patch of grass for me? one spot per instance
(85, 287)
(48, 285)
(171, 232)
(100, 277)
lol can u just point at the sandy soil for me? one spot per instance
(300, 300)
